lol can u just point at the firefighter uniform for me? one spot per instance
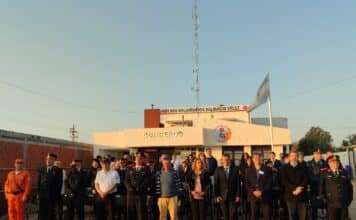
(17, 190)
(337, 192)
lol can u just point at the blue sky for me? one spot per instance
(99, 64)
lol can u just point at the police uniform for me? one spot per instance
(337, 192)
(50, 180)
(17, 190)
(136, 182)
(120, 197)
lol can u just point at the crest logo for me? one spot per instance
(223, 133)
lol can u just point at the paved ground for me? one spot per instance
(352, 208)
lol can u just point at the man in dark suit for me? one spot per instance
(276, 188)
(136, 182)
(227, 188)
(50, 180)
(184, 211)
(184, 171)
(120, 209)
(75, 191)
(294, 180)
(276, 164)
(258, 187)
(314, 170)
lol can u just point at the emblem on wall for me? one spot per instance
(223, 133)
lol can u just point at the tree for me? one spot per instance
(345, 143)
(350, 140)
(315, 139)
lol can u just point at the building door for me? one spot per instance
(235, 153)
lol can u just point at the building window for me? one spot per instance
(235, 153)
(186, 151)
(263, 150)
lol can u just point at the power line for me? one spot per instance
(60, 100)
(308, 91)
(41, 129)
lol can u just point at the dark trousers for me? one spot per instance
(120, 207)
(283, 206)
(47, 208)
(103, 208)
(152, 208)
(198, 209)
(184, 211)
(135, 207)
(228, 209)
(275, 203)
(258, 207)
(75, 205)
(337, 213)
(244, 201)
(315, 205)
(296, 210)
(155, 209)
(59, 208)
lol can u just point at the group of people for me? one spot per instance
(194, 187)
(286, 188)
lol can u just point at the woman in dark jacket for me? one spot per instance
(199, 183)
(91, 174)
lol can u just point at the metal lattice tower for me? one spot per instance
(196, 52)
(74, 135)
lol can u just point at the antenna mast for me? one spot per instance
(196, 54)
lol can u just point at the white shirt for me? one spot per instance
(63, 185)
(107, 180)
(198, 187)
(49, 168)
(176, 164)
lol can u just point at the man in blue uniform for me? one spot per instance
(50, 180)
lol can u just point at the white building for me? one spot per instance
(224, 129)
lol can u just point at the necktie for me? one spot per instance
(227, 172)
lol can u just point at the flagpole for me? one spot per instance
(270, 120)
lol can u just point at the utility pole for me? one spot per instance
(74, 136)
